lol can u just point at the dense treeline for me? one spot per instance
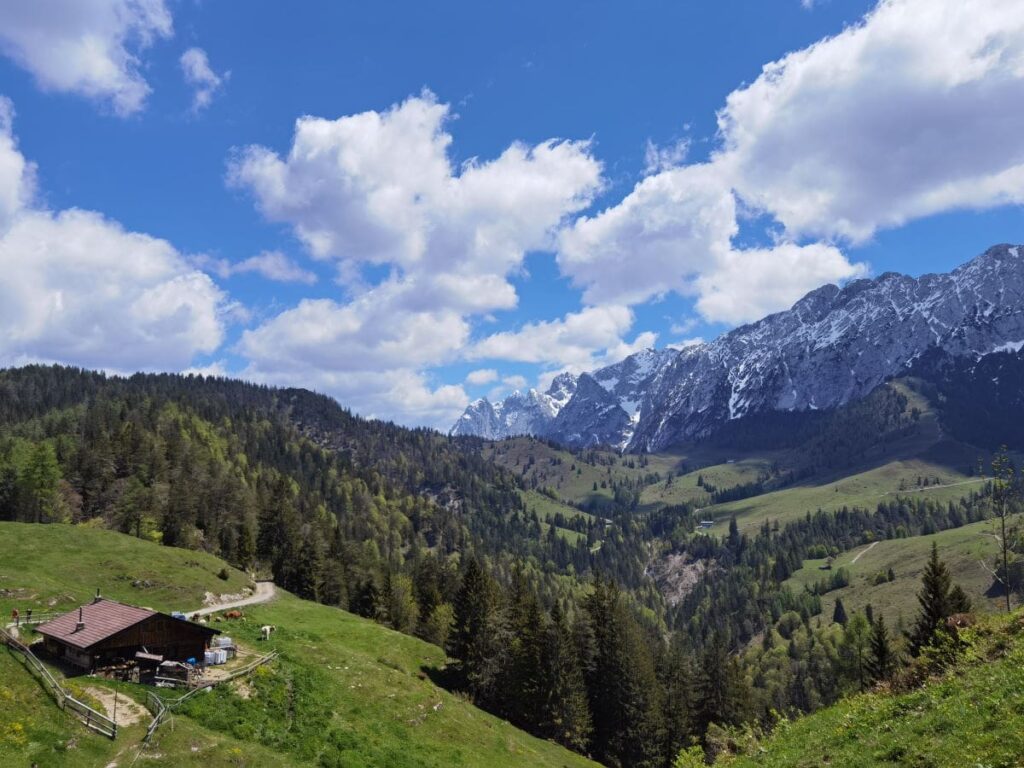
(825, 439)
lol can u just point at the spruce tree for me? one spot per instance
(882, 659)
(622, 686)
(567, 710)
(839, 613)
(938, 600)
(479, 638)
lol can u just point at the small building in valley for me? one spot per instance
(106, 632)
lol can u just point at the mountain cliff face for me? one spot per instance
(833, 346)
(600, 408)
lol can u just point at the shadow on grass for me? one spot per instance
(448, 677)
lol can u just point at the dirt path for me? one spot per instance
(864, 551)
(128, 711)
(265, 592)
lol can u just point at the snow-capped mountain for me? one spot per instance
(597, 408)
(833, 346)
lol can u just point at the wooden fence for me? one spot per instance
(89, 716)
(161, 709)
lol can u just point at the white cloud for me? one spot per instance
(577, 341)
(674, 232)
(378, 187)
(659, 158)
(482, 376)
(80, 289)
(273, 265)
(912, 112)
(218, 368)
(17, 175)
(909, 113)
(195, 66)
(88, 47)
(369, 353)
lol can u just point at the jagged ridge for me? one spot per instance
(833, 346)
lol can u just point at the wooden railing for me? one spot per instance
(161, 708)
(89, 716)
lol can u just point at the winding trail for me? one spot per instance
(864, 551)
(265, 592)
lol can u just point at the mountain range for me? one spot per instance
(833, 346)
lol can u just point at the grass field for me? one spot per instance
(969, 552)
(973, 716)
(53, 567)
(862, 489)
(546, 508)
(346, 691)
(571, 477)
(684, 488)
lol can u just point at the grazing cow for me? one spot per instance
(959, 621)
(265, 631)
(233, 615)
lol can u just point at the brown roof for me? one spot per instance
(102, 618)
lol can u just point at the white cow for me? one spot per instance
(265, 631)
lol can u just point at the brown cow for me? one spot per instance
(959, 621)
(233, 614)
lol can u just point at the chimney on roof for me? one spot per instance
(97, 598)
(81, 621)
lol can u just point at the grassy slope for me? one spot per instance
(888, 469)
(972, 716)
(359, 687)
(969, 552)
(861, 489)
(574, 486)
(724, 475)
(64, 565)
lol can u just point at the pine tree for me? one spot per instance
(839, 613)
(938, 600)
(621, 684)
(526, 680)
(479, 637)
(567, 710)
(882, 660)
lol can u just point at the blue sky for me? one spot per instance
(482, 195)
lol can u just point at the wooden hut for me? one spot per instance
(106, 632)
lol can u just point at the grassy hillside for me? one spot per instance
(861, 489)
(53, 567)
(971, 716)
(346, 690)
(970, 553)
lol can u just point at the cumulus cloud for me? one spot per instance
(674, 232)
(78, 288)
(195, 66)
(88, 47)
(482, 376)
(906, 114)
(379, 187)
(911, 112)
(662, 157)
(576, 341)
(273, 265)
(17, 175)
